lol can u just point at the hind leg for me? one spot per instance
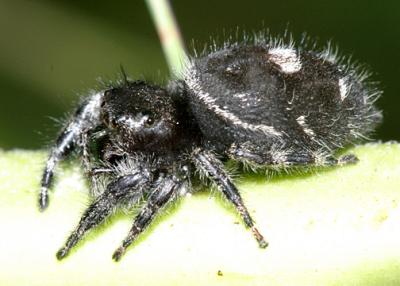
(286, 157)
(213, 169)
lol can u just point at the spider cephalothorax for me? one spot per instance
(142, 116)
(260, 103)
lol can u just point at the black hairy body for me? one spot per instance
(262, 103)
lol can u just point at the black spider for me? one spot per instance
(260, 102)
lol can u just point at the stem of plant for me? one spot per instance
(169, 33)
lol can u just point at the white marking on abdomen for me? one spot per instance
(301, 120)
(193, 82)
(343, 88)
(286, 59)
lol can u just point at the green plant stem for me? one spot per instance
(169, 34)
(338, 226)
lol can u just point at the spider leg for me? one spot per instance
(85, 118)
(208, 164)
(347, 159)
(164, 191)
(297, 157)
(91, 172)
(85, 152)
(305, 158)
(124, 189)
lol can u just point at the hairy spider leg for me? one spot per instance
(165, 190)
(91, 172)
(299, 157)
(84, 119)
(84, 142)
(214, 169)
(125, 189)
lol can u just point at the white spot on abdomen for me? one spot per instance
(286, 59)
(343, 88)
(301, 120)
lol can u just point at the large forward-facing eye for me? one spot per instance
(149, 118)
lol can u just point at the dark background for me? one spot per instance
(52, 52)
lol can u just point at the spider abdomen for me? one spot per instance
(270, 95)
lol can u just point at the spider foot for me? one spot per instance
(43, 200)
(348, 159)
(260, 239)
(118, 254)
(62, 253)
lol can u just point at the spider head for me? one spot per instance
(140, 115)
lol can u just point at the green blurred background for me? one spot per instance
(52, 52)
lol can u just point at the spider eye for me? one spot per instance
(150, 118)
(150, 121)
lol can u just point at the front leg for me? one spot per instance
(85, 119)
(127, 189)
(164, 190)
(213, 168)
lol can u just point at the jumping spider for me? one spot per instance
(260, 102)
